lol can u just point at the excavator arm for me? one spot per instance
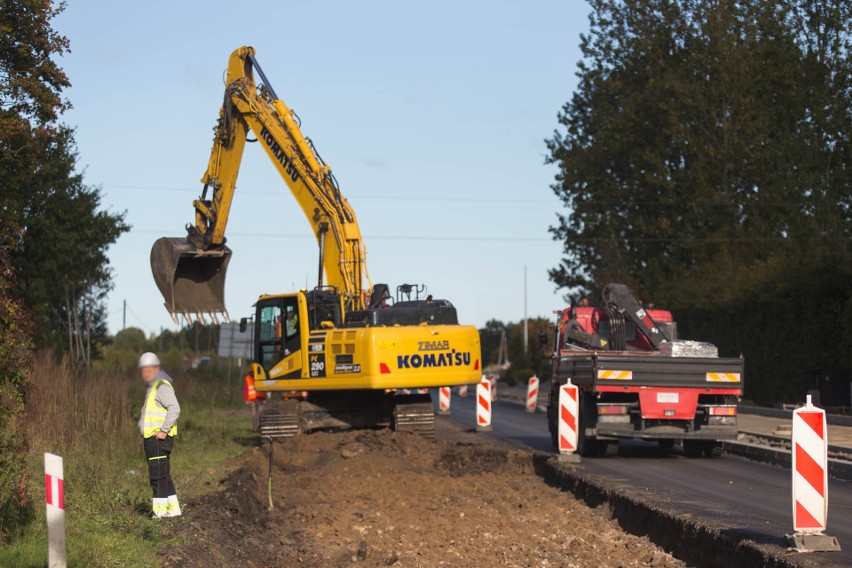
(190, 272)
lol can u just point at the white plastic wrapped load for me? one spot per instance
(687, 348)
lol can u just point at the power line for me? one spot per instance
(555, 201)
(371, 238)
(509, 239)
(356, 196)
(142, 323)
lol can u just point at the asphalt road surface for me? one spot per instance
(745, 496)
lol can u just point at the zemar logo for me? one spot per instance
(433, 345)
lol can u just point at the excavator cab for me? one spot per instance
(191, 280)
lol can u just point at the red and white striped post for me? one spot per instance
(483, 406)
(532, 394)
(422, 391)
(54, 486)
(444, 394)
(569, 413)
(810, 480)
(493, 384)
(463, 391)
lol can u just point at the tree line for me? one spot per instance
(523, 363)
(54, 232)
(704, 159)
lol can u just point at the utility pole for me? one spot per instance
(526, 329)
(124, 316)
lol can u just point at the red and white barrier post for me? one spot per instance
(463, 391)
(54, 485)
(483, 406)
(532, 394)
(444, 394)
(569, 413)
(810, 480)
(493, 384)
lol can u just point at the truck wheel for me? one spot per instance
(551, 423)
(586, 447)
(693, 448)
(609, 449)
(666, 445)
(713, 450)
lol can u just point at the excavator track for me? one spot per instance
(415, 413)
(280, 419)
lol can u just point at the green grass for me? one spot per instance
(106, 484)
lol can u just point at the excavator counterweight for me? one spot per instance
(191, 280)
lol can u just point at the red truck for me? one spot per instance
(637, 380)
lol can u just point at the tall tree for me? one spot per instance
(51, 223)
(704, 156)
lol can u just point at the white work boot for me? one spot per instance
(160, 507)
(172, 507)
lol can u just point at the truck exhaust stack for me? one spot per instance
(191, 281)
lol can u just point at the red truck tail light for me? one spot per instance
(722, 410)
(609, 409)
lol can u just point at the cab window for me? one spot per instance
(278, 330)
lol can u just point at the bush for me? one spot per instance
(89, 418)
(520, 375)
(15, 351)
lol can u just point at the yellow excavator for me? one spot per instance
(351, 350)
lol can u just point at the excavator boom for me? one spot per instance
(190, 272)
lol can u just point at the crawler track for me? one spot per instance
(415, 415)
(280, 419)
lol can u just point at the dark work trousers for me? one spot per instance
(157, 452)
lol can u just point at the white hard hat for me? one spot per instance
(149, 360)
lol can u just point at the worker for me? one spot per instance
(249, 392)
(158, 426)
(292, 322)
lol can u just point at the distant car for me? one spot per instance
(199, 363)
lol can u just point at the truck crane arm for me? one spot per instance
(190, 272)
(621, 303)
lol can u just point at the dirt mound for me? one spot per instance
(471, 459)
(375, 498)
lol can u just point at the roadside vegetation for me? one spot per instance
(704, 160)
(89, 418)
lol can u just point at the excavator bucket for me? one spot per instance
(192, 281)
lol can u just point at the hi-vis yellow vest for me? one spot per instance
(155, 415)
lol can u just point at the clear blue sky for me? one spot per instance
(432, 116)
